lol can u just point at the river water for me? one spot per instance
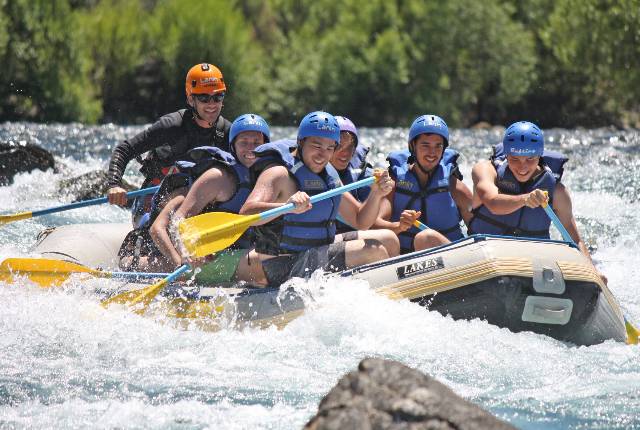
(67, 363)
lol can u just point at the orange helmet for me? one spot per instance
(204, 78)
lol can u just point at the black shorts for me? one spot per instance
(350, 235)
(330, 258)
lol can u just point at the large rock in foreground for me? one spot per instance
(385, 394)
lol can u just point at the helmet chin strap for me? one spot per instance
(194, 109)
(425, 171)
(417, 163)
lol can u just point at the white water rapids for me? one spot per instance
(65, 362)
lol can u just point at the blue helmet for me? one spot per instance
(319, 124)
(523, 138)
(248, 122)
(430, 124)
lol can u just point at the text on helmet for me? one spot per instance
(209, 80)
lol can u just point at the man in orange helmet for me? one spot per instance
(169, 138)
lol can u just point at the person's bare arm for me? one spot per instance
(386, 210)
(348, 209)
(364, 216)
(274, 188)
(214, 185)
(463, 197)
(563, 207)
(407, 217)
(159, 231)
(486, 192)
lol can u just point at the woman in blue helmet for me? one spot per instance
(429, 188)
(510, 188)
(220, 184)
(350, 158)
(350, 161)
(298, 243)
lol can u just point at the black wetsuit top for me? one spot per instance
(168, 141)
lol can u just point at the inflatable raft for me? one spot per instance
(543, 286)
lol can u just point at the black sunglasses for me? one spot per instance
(207, 98)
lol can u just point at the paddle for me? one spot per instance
(144, 296)
(211, 232)
(633, 333)
(48, 272)
(416, 223)
(4, 219)
(554, 219)
(420, 225)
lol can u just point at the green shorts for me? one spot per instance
(222, 268)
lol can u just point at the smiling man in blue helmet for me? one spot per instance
(296, 244)
(429, 188)
(511, 187)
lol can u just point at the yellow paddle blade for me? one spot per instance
(633, 334)
(214, 231)
(143, 296)
(5, 219)
(44, 272)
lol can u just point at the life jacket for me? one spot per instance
(356, 170)
(269, 154)
(526, 222)
(186, 173)
(207, 157)
(439, 210)
(293, 233)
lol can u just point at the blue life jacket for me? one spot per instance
(209, 156)
(356, 170)
(205, 158)
(174, 180)
(293, 233)
(525, 221)
(268, 154)
(439, 210)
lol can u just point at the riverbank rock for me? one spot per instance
(19, 157)
(482, 125)
(385, 394)
(91, 185)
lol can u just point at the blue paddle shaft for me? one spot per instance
(138, 275)
(554, 219)
(567, 238)
(176, 274)
(318, 197)
(417, 224)
(421, 225)
(84, 203)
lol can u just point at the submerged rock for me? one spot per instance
(20, 157)
(91, 185)
(25, 157)
(482, 125)
(385, 394)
